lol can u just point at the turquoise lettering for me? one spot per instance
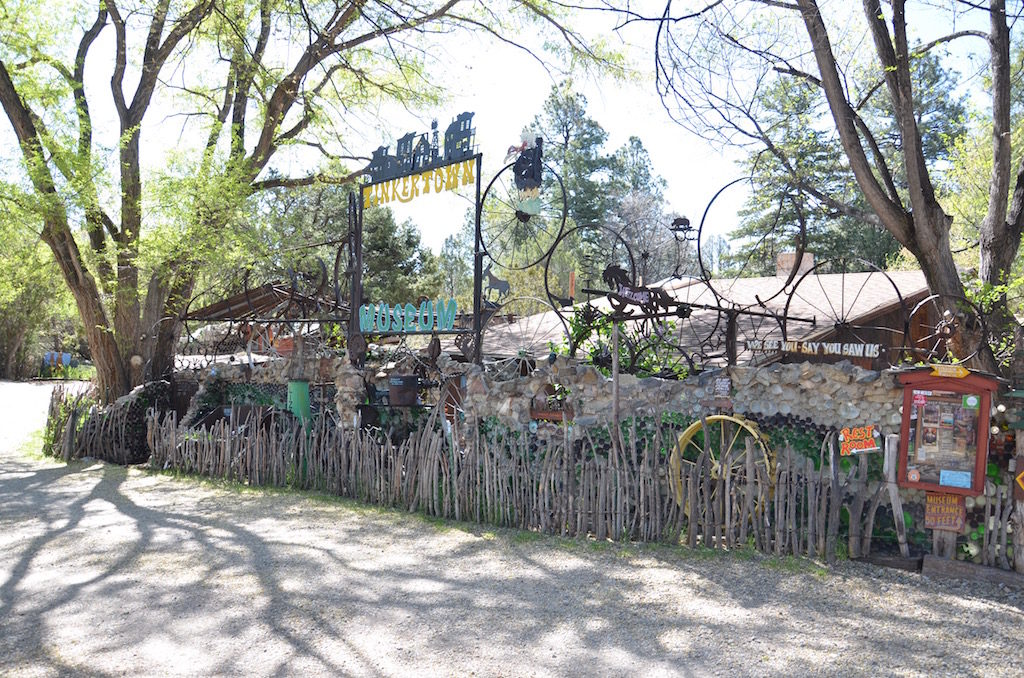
(366, 313)
(446, 315)
(426, 317)
(410, 318)
(384, 318)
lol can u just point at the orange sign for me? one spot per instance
(945, 512)
(1018, 492)
(857, 439)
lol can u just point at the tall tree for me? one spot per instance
(574, 147)
(456, 264)
(254, 78)
(396, 268)
(757, 42)
(637, 212)
(780, 215)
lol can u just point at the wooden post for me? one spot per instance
(835, 500)
(1018, 509)
(892, 447)
(1018, 460)
(859, 480)
(615, 377)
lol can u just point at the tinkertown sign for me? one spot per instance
(422, 164)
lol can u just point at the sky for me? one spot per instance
(506, 88)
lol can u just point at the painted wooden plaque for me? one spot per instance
(945, 512)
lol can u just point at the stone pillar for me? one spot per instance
(351, 391)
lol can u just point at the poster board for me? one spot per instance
(944, 437)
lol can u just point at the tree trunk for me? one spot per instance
(11, 363)
(111, 373)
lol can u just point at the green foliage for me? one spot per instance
(781, 202)
(455, 265)
(807, 443)
(396, 268)
(644, 354)
(36, 312)
(618, 190)
(56, 423)
(573, 146)
(988, 297)
(294, 229)
(72, 372)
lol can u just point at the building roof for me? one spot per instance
(269, 301)
(816, 304)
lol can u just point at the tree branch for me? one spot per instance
(891, 214)
(876, 151)
(245, 73)
(287, 182)
(120, 62)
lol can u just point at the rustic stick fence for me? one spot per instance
(78, 427)
(566, 484)
(598, 482)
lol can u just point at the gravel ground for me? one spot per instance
(113, 571)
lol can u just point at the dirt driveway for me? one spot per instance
(113, 571)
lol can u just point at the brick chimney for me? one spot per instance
(785, 261)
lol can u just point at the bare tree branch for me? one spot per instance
(295, 182)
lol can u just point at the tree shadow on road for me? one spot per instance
(109, 570)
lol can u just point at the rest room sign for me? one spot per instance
(858, 439)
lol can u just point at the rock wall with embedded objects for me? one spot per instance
(806, 395)
(812, 396)
(818, 396)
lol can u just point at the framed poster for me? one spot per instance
(944, 437)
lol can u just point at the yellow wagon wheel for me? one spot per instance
(726, 438)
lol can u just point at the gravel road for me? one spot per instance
(113, 571)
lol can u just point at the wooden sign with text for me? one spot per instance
(945, 512)
(817, 348)
(953, 371)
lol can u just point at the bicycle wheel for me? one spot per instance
(520, 226)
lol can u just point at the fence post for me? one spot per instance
(892, 446)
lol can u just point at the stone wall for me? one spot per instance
(280, 371)
(828, 395)
(832, 396)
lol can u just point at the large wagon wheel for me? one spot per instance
(694, 332)
(725, 439)
(520, 226)
(840, 306)
(577, 263)
(945, 328)
(517, 335)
